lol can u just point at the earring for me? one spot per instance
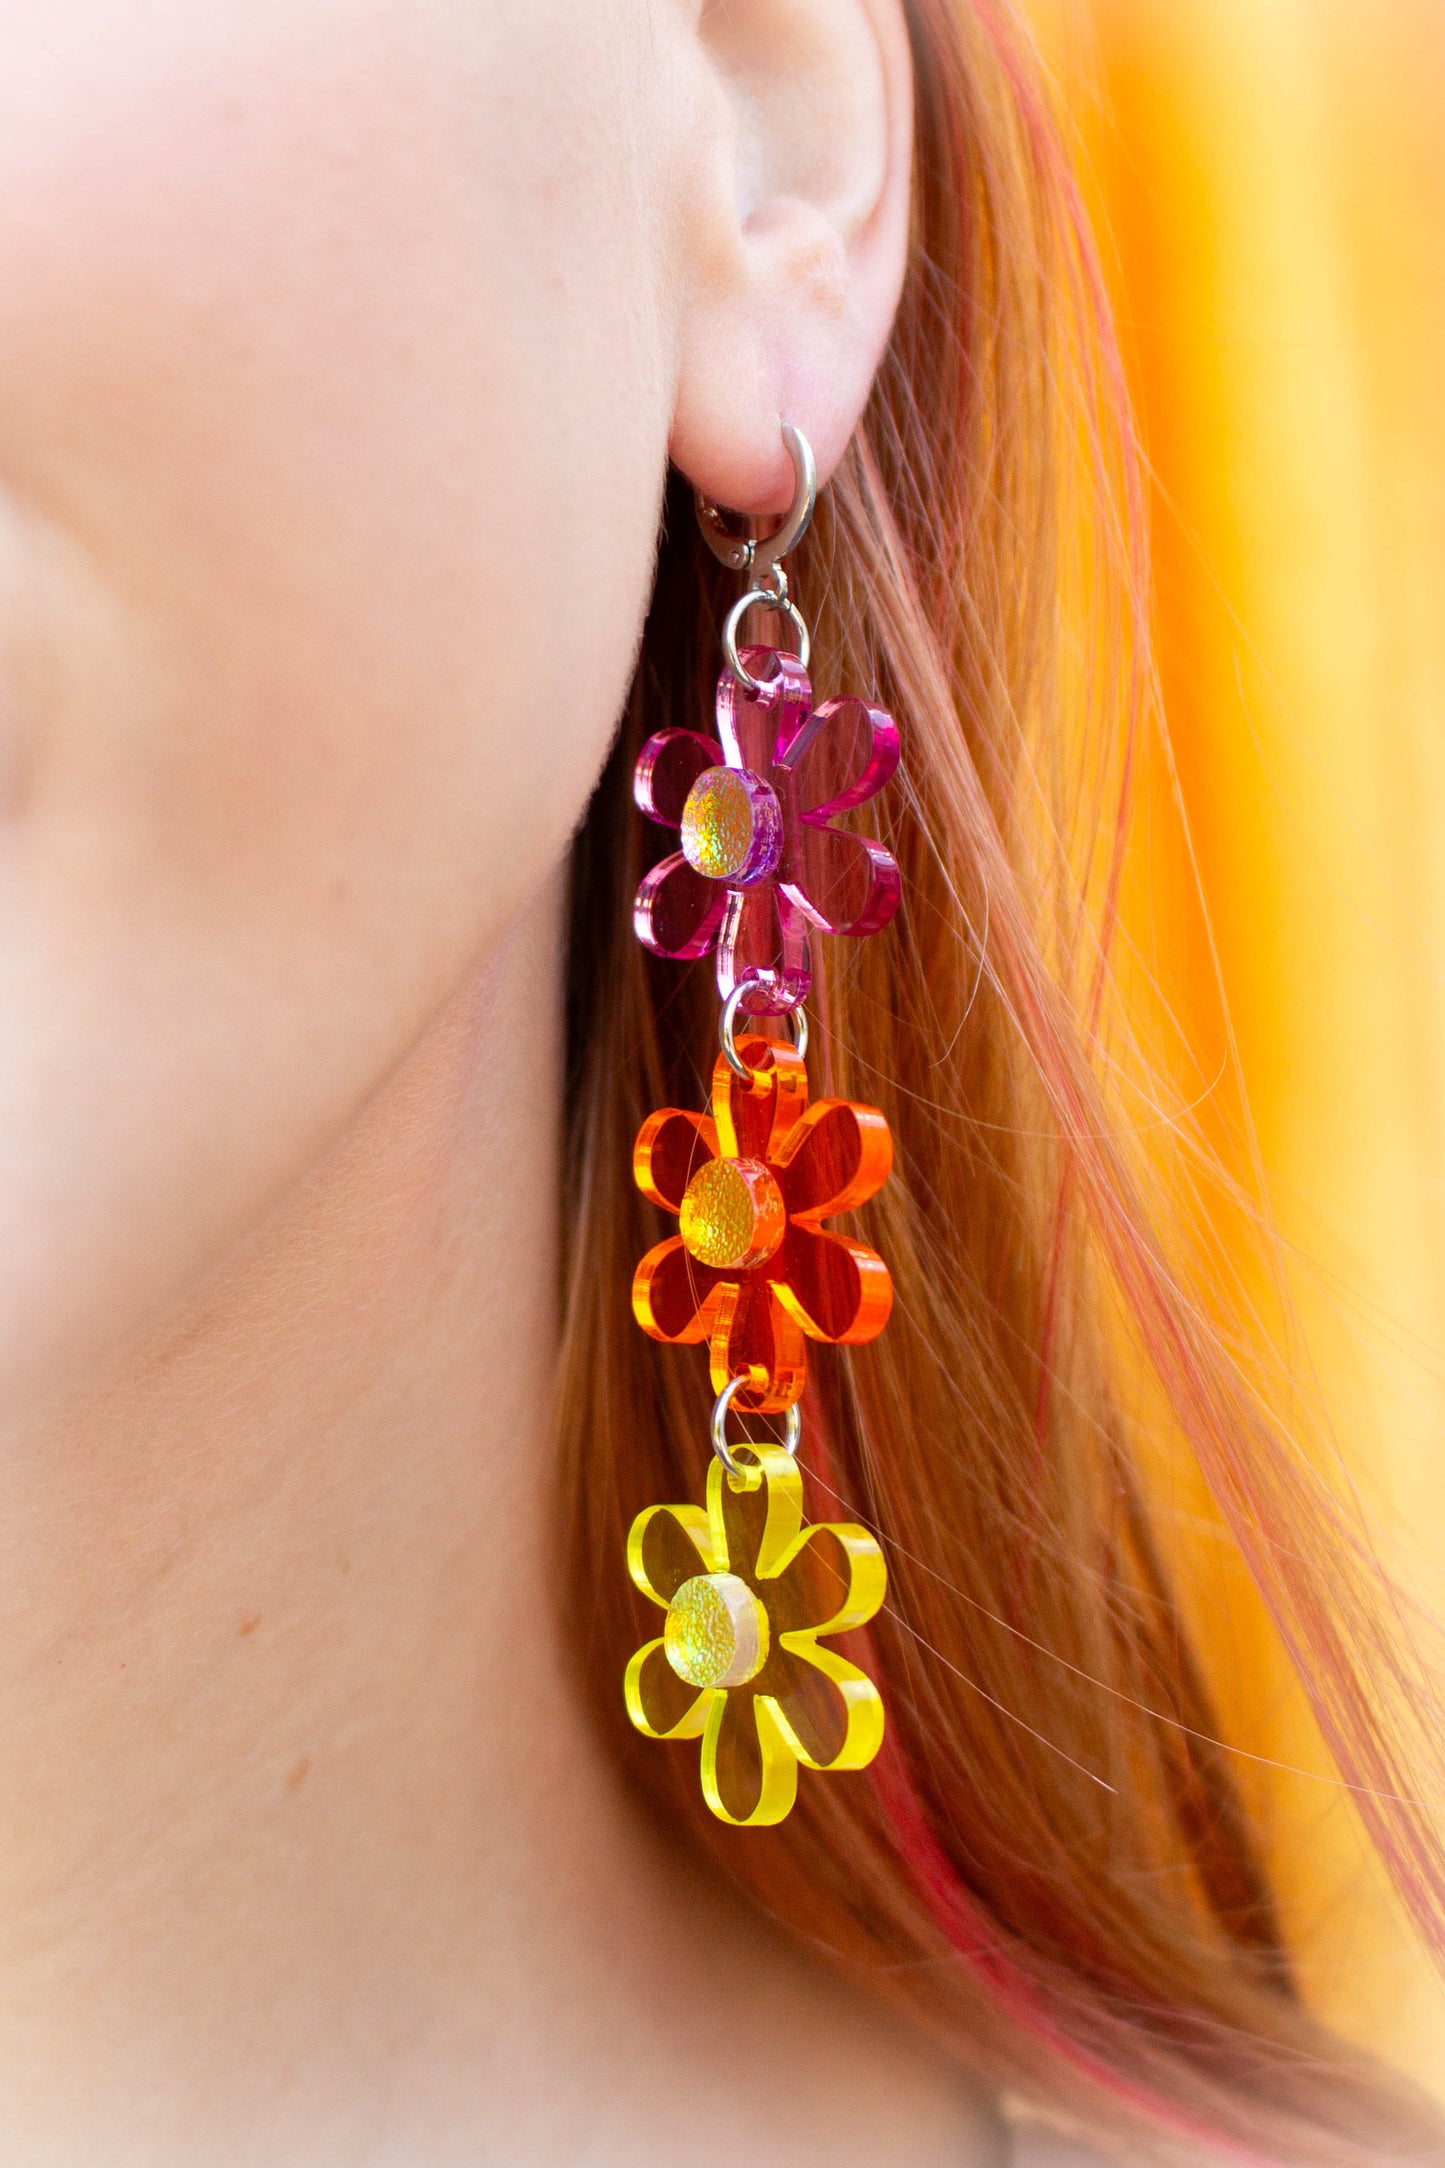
(751, 1593)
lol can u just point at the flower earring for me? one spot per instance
(750, 1592)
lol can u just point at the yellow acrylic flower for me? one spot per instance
(748, 1592)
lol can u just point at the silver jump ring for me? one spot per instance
(741, 553)
(764, 598)
(728, 1026)
(792, 1425)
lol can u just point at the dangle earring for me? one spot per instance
(750, 1593)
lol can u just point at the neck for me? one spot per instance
(305, 1844)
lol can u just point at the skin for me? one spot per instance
(343, 345)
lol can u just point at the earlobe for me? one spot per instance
(800, 202)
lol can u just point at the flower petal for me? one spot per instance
(764, 946)
(659, 1703)
(755, 1519)
(667, 1545)
(830, 1579)
(667, 767)
(756, 729)
(749, 1767)
(834, 1159)
(754, 1115)
(674, 1297)
(841, 882)
(836, 1290)
(671, 1146)
(756, 1336)
(842, 757)
(677, 910)
(831, 1714)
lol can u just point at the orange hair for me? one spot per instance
(1050, 1863)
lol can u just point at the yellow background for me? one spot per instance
(1271, 179)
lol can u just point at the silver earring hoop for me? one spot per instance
(750, 554)
(762, 598)
(727, 1030)
(792, 1426)
(759, 558)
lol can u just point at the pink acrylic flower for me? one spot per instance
(761, 861)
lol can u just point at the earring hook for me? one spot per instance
(752, 555)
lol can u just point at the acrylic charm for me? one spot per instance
(750, 1595)
(761, 859)
(752, 1270)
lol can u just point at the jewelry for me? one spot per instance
(750, 1592)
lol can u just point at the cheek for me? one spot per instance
(333, 404)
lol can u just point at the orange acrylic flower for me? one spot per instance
(752, 1270)
(748, 1592)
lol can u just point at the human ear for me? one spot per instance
(796, 234)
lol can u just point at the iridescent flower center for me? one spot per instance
(732, 826)
(716, 1632)
(733, 1216)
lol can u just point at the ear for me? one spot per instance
(798, 237)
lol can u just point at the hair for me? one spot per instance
(1050, 1863)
